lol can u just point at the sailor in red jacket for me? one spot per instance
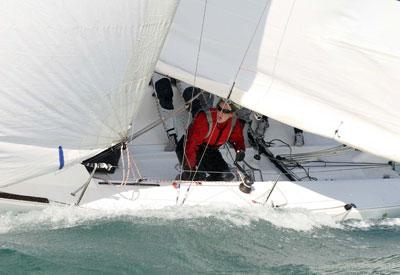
(208, 131)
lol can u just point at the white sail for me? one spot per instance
(328, 67)
(71, 75)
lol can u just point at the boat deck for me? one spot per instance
(319, 159)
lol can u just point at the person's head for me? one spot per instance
(225, 110)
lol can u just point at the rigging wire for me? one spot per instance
(279, 48)
(193, 87)
(209, 140)
(200, 160)
(267, 3)
(273, 188)
(154, 124)
(157, 122)
(237, 71)
(280, 45)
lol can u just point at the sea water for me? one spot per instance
(187, 240)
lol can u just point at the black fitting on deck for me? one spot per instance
(350, 206)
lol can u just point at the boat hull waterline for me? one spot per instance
(341, 199)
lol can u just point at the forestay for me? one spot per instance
(72, 74)
(328, 67)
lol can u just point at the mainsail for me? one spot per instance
(71, 76)
(328, 67)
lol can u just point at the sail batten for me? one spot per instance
(330, 67)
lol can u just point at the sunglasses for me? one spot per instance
(225, 111)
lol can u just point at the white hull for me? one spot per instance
(373, 199)
(373, 196)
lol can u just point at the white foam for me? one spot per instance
(48, 218)
(366, 224)
(64, 217)
(297, 219)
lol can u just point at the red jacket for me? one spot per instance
(197, 135)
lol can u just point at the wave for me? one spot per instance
(363, 265)
(372, 224)
(209, 239)
(55, 217)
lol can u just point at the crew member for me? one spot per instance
(210, 130)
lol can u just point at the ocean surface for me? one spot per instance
(187, 240)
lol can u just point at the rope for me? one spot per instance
(331, 150)
(345, 169)
(320, 153)
(128, 168)
(131, 165)
(293, 161)
(345, 164)
(286, 144)
(139, 175)
(123, 164)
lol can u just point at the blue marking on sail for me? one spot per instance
(61, 157)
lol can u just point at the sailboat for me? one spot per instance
(74, 85)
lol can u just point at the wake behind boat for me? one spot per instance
(79, 88)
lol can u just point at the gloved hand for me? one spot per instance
(240, 154)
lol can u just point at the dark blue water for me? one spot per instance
(195, 240)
